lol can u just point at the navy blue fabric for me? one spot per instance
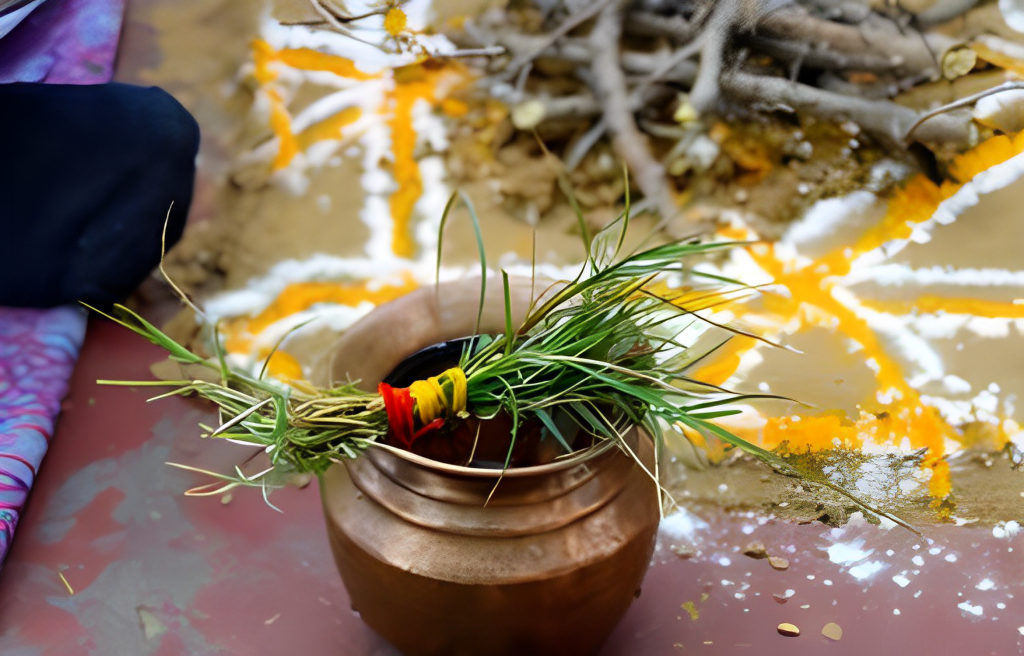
(87, 174)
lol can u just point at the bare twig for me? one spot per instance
(872, 45)
(672, 63)
(491, 51)
(582, 146)
(642, 23)
(321, 7)
(957, 104)
(881, 118)
(628, 141)
(714, 39)
(571, 23)
(331, 8)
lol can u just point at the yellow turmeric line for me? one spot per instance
(934, 304)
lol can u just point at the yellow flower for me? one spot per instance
(394, 21)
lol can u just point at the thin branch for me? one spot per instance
(321, 7)
(628, 141)
(957, 104)
(881, 118)
(329, 6)
(570, 23)
(491, 51)
(714, 39)
(871, 45)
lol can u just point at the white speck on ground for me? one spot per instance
(917, 560)
(901, 580)
(866, 570)
(151, 626)
(987, 584)
(1006, 529)
(970, 608)
(846, 554)
(950, 558)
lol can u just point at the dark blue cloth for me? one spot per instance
(87, 174)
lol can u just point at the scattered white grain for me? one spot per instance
(866, 570)
(967, 607)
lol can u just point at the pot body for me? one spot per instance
(548, 566)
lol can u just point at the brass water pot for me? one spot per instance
(548, 566)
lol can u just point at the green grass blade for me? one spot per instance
(549, 423)
(440, 235)
(510, 337)
(483, 258)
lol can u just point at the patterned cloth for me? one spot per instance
(59, 42)
(64, 42)
(38, 349)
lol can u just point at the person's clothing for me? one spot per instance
(89, 174)
(59, 41)
(38, 349)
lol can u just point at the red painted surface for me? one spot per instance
(154, 572)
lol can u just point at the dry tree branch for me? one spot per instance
(881, 118)
(715, 38)
(641, 53)
(644, 23)
(571, 23)
(610, 87)
(871, 45)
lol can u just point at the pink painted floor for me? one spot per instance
(154, 572)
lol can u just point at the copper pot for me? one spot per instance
(548, 566)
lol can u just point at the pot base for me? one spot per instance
(480, 592)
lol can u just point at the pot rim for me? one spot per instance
(576, 458)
